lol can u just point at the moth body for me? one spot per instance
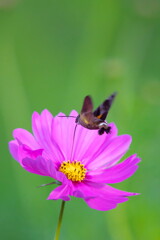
(95, 120)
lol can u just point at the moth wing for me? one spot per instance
(102, 111)
(87, 105)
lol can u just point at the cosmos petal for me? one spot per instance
(112, 153)
(25, 137)
(39, 166)
(42, 125)
(99, 196)
(82, 190)
(13, 148)
(88, 142)
(61, 192)
(116, 192)
(63, 132)
(78, 142)
(117, 173)
(43, 167)
(24, 151)
(20, 151)
(100, 204)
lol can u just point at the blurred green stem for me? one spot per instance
(59, 221)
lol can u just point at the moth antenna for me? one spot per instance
(67, 116)
(43, 185)
(73, 140)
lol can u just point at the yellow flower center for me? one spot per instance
(74, 171)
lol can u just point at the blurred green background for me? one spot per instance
(52, 54)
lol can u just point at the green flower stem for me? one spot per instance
(59, 221)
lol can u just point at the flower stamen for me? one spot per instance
(74, 171)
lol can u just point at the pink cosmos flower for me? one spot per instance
(83, 168)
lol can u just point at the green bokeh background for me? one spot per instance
(52, 54)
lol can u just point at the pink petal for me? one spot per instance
(63, 132)
(24, 151)
(43, 167)
(112, 153)
(39, 166)
(25, 137)
(20, 151)
(117, 173)
(89, 142)
(100, 204)
(81, 145)
(82, 190)
(42, 125)
(13, 148)
(99, 196)
(61, 192)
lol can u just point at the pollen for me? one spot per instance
(75, 171)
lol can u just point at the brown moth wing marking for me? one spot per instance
(84, 117)
(102, 111)
(87, 105)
